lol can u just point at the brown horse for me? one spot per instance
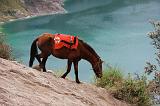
(46, 42)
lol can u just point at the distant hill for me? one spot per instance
(13, 9)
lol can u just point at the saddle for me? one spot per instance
(64, 40)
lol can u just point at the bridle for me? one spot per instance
(97, 64)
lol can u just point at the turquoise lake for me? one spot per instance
(116, 29)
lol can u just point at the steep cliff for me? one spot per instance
(23, 86)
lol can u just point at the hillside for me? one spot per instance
(21, 85)
(13, 9)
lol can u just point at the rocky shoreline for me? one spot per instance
(22, 9)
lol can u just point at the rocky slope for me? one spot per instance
(23, 86)
(13, 9)
(36, 7)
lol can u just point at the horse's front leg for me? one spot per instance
(76, 71)
(69, 63)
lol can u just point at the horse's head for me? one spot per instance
(97, 68)
(93, 58)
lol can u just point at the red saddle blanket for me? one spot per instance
(68, 41)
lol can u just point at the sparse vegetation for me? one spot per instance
(131, 90)
(154, 85)
(134, 91)
(5, 50)
(112, 77)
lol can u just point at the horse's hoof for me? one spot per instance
(78, 82)
(63, 77)
(44, 70)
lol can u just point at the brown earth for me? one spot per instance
(24, 86)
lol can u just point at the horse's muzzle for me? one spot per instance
(99, 75)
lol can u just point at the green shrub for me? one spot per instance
(131, 90)
(150, 69)
(134, 91)
(111, 77)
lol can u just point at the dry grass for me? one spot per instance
(5, 50)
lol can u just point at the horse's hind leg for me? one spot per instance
(38, 58)
(68, 69)
(44, 57)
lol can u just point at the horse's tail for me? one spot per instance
(33, 52)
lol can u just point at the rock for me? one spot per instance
(24, 86)
(37, 67)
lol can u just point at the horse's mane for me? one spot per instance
(89, 48)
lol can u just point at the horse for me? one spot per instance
(46, 42)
